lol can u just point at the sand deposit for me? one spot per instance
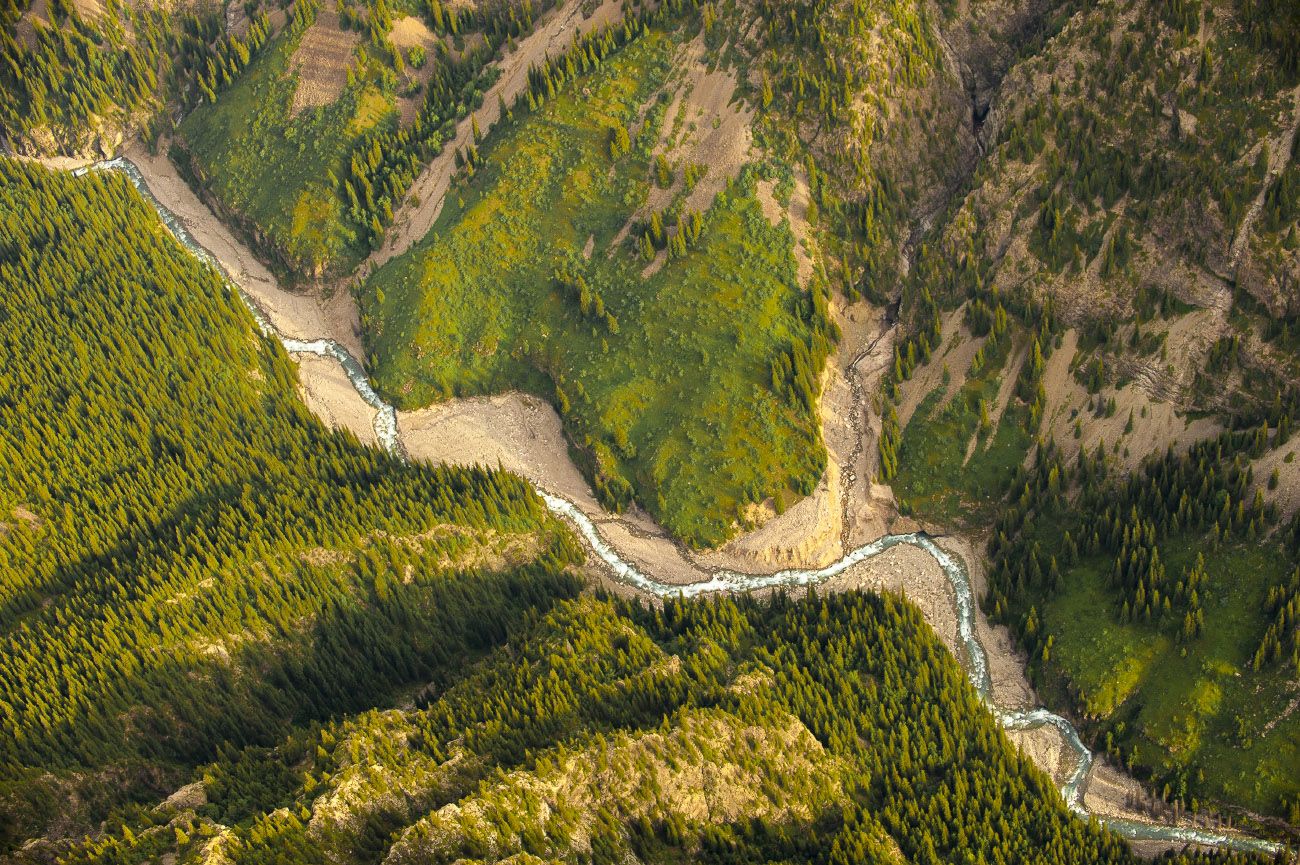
(324, 386)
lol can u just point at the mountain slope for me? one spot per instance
(189, 557)
(833, 730)
(1110, 318)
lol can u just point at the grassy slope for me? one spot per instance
(272, 169)
(678, 401)
(1196, 708)
(932, 479)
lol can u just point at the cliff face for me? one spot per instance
(104, 139)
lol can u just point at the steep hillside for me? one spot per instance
(1113, 312)
(81, 77)
(833, 730)
(187, 556)
(604, 247)
(1140, 167)
(1037, 260)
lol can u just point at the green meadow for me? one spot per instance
(691, 388)
(1195, 714)
(277, 172)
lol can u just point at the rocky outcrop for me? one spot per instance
(102, 140)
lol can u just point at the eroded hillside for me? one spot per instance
(1091, 323)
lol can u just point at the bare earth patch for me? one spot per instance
(518, 432)
(1287, 493)
(914, 574)
(1157, 424)
(1046, 748)
(325, 388)
(956, 350)
(20, 515)
(321, 61)
(25, 28)
(409, 32)
(89, 9)
(797, 215)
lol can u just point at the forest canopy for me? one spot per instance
(188, 557)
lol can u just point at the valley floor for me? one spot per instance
(523, 434)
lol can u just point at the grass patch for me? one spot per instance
(665, 382)
(932, 481)
(1104, 660)
(276, 173)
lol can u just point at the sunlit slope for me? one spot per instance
(830, 730)
(684, 359)
(187, 555)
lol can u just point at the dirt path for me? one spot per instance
(420, 209)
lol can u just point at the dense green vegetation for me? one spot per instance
(1274, 23)
(68, 71)
(1161, 606)
(68, 79)
(187, 556)
(315, 188)
(955, 458)
(689, 383)
(169, 599)
(832, 730)
(1156, 605)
